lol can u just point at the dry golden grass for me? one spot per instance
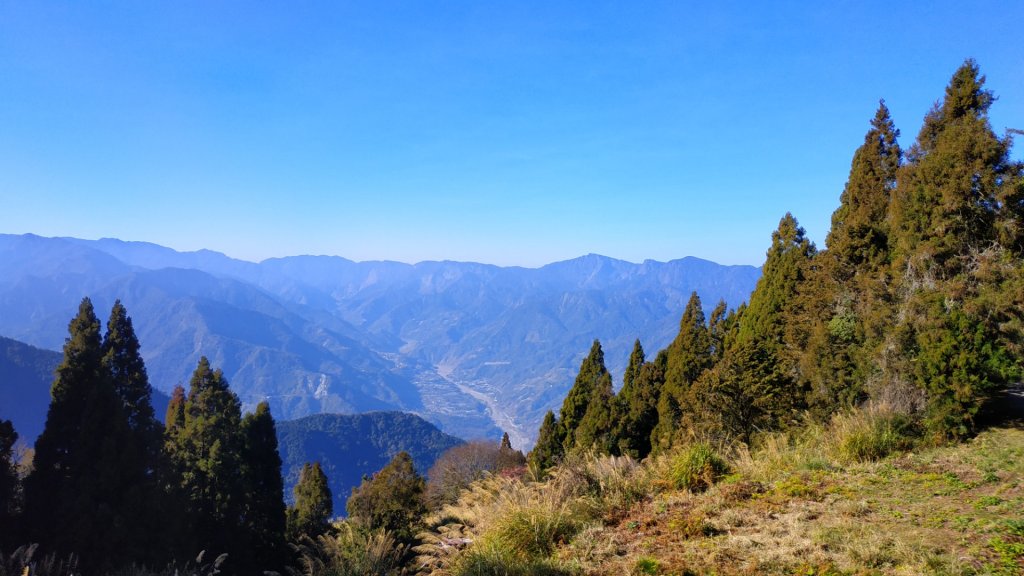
(828, 500)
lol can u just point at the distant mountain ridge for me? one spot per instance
(347, 446)
(474, 348)
(26, 375)
(350, 446)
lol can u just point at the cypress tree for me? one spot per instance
(772, 304)
(636, 360)
(639, 408)
(858, 241)
(846, 299)
(206, 453)
(140, 448)
(74, 487)
(763, 355)
(596, 429)
(949, 194)
(264, 491)
(719, 325)
(311, 515)
(548, 451)
(688, 356)
(954, 260)
(591, 381)
(632, 404)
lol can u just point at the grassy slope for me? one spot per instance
(951, 510)
(796, 505)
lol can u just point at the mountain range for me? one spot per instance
(473, 348)
(347, 446)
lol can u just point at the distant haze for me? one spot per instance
(474, 348)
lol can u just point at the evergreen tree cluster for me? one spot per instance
(917, 303)
(112, 486)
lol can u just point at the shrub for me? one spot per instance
(697, 468)
(491, 560)
(349, 552)
(645, 565)
(871, 433)
(534, 531)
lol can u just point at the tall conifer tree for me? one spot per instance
(638, 408)
(264, 491)
(138, 530)
(846, 298)
(549, 449)
(314, 505)
(206, 454)
(688, 356)
(75, 485)
(596, 429)
(763, 355)
(591, 382)
(949, 227)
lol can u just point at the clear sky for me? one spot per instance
(513, 133)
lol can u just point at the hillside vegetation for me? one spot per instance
(796, 503)
(861, 414)
(476, 349)
(806, 431)
(352, 446)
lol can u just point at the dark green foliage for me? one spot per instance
(846, 299)
(637, 404)
(76, 483)
(688, 356)
(954, 245)
(690, 353)
(858, 241)
(8, 487)
(636, 360)
(946, 203)
(596, 430)
(959, 364)
(140, 448)
(917, 305)
(314, 506)
(549, 449)
(351, 446)
(264, 522)
(772, 305)
(206, 457)
(391, 500)
(743, 394)
(762, 359)
(591, 382)
(639, 410)
(719, 326)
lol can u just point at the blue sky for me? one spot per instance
(514, 133)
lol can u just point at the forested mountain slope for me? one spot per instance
(472, 347)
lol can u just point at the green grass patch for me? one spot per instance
(697, 468)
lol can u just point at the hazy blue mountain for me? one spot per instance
(26, 373)
(351, 446)
(474, 348)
